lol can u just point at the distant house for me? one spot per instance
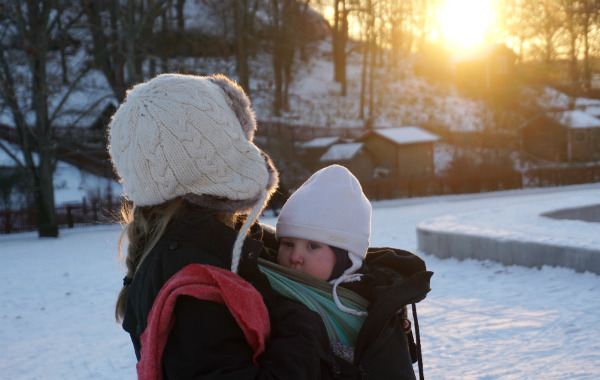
(402, 151)
(568, 136)
(490, 68)
(589, 106)
(353, 156)
(319, 143)
(310, 151)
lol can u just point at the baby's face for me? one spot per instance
(308, 257)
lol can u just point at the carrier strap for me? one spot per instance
(419, 355)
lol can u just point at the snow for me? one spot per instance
(341, 152)
(319, 142)
(553, 99)
(575, 119)
(528, 224)
(70, 183)
(407, 135)
(586, 102)
(593, 110)
(481, 320)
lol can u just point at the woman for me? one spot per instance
(182, 146)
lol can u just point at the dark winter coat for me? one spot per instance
(206, 342)
(392, 278)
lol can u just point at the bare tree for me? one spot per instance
(40, 70)
(515, 25)
(572, 28)
(285, 30)
(243, 30)
(237, 21)
(339, 34)
(122, 33)
(367, 17)
(548, 18)
(589, 18)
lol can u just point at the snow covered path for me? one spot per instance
(481, 321)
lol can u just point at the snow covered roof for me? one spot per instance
(593, 110)
(341, 152)
(320, 142)
(407, 135)
(586, 102)
(575, 119)
(546, 98)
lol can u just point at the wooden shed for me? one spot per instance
(568, 136)
(407, 152)
(353, 156)
(310, 151)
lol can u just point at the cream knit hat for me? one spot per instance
(191, 136)
(330, 208)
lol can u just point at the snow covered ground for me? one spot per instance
(481, 320)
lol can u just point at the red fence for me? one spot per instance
(67, 216)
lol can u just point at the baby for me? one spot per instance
(324, 228)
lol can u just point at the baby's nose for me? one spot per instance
(297, 255)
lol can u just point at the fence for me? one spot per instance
(387, 188)
(440, 185)
(67, 216)
(94, 213)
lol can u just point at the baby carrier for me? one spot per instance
(391, 279)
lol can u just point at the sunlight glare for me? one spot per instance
(465, 22)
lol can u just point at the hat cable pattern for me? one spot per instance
(191, 136)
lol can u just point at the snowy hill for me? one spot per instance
(402, 98)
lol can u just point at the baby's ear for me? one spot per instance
(239, 103)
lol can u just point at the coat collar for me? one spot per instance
(198, 228)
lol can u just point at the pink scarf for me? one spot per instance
(209, 283)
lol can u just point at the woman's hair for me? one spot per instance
(144, 226)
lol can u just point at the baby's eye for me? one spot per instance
(313, 246)
(287, 244)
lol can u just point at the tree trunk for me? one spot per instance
(363, 77)
(573, 67)
(276, 57)
(241, 31)
(373, 50)
(339, 34)
(47, 225)
(179, 10)
(342, 51)
(587, 16)
(43, 174)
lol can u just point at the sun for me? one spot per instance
(464, 23)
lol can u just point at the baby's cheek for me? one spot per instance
(280, 257)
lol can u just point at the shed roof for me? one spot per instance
(407, 135)
(341, 152)
(593, 111)
(575, 119)
(320, 142)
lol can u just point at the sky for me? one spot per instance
(481, 320)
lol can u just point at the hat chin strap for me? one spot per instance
(348, 276)
(236, 253)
